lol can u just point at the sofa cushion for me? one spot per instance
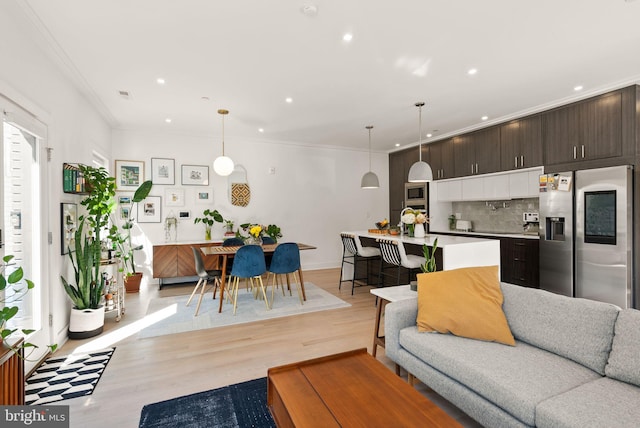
(579, 329)
(602, 403)
(624, 359)
(515, 379)
(466, 302)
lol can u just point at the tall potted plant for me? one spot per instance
(87, 314)
(124, 243)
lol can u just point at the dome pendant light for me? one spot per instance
(370, 179)
(420, 172)
(223, 165)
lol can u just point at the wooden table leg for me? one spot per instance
(223, 281)
(376, 330)
(304, 295)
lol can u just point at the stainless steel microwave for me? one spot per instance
(415, 194)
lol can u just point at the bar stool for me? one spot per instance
(352, 252)
(394, 255)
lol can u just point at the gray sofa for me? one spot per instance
(576, 362)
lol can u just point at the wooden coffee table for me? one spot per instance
(345, 390)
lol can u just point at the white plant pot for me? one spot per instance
(86, 323)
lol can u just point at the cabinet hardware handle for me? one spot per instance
(515, 161)
(582, 151)
(476, 168)
(521, 161)
(575, 152)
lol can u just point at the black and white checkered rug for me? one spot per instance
(61, 378)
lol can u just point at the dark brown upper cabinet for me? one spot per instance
(587, 130)
(521, 143)
(477, 152)
(441, 159)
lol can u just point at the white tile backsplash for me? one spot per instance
(506, 217)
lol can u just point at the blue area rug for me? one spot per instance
(240, 405)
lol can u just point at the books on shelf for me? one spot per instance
(72, 179)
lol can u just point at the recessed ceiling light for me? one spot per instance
(347, 37)
(260, 129)
(429, 135)
(397, 144)
(289, 100)
(485, 117)
(578, 88)
(160, 81)
(309, 9)
(472, 71)
(168, 120)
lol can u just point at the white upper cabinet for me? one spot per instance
(500, 186)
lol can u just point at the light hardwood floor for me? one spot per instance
(144, 371)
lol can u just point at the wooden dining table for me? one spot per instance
(228, 252)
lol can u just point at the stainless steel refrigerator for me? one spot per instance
(586, 234)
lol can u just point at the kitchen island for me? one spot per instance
(456, 251)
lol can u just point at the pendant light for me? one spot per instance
(370, 179)
(420, 172)
(223, 165)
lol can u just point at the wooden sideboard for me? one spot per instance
(176, 260)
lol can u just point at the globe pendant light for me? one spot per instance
(420, 172)
(370, 179)
(223, 165)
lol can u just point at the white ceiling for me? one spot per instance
(248, 56)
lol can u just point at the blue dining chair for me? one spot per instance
(204, 276)
(231, 242)
(248, 264)
(285, 261)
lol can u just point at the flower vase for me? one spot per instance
(207, 234)
(411, 230)
(254, 240)
(418, 230)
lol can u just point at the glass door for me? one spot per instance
(23, 234)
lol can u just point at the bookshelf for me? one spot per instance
(72, 179)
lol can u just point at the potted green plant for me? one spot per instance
(429, 264)
(208, 218)
(124, 244)
(452, 222)
(273, 232)
(13, 288)
(87, 314)
(229, 227)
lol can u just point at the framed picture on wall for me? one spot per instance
(204, 196)
(195, 175)
(68, 225)
(184, 215)
(150, 210)
(174, 197)
(163, 171)
(129, 174)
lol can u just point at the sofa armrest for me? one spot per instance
(398, 315)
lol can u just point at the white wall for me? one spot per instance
(314, 194)
(74, 129)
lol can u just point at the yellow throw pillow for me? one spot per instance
(466, 302)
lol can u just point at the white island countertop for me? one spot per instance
(443, 240)
(457, 251)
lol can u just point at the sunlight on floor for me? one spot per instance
(109, 339)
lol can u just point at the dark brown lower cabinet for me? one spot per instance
(519, 261)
